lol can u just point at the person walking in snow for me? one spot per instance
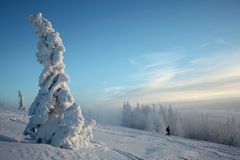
(168, 131)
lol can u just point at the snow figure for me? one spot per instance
(21, 101)
(55, 118)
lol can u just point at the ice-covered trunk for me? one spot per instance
(54, 98)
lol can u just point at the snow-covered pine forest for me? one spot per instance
(157, 117)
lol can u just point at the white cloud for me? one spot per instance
(113, 89)
(168, 76)
(156, 59)
(135, 63)
(210, 40)
(204, 79)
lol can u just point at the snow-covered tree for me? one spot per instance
(172, 120)
(161, 126)
(138, 118)
(149, 118)
(127, 115)
(21, 101)
(55, 118)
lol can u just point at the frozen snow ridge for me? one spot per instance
(55, 118)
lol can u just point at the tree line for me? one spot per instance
(156, 118)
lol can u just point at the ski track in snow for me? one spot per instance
(128, 155)
(110, 143)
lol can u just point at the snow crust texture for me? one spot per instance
(55, 118)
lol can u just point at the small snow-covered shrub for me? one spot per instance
(21, 102)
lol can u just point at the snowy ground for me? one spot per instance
(110, 142)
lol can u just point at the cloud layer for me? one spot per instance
(168, 77)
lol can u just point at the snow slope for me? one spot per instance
(110, 142)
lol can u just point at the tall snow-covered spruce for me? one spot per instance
(55, 118)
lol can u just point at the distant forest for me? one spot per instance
(157, 117)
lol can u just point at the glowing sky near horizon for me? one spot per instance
(146, 51)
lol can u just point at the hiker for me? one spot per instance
(168, 131)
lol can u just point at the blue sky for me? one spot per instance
(146, 51)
